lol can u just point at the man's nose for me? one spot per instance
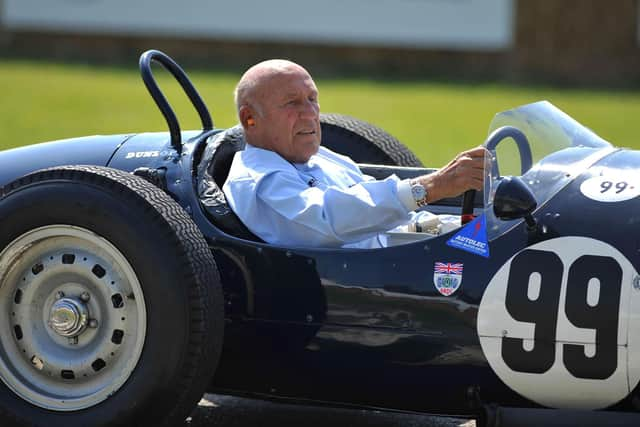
(309, 109)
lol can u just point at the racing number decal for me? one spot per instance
(620, 186)
(600, 315)
(611, 188)
(548, 267)
(554, 323)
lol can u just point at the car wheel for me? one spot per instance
(111, 302)
(364, 142)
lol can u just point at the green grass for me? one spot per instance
(42, 101)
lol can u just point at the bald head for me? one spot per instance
(277, 103)
(259, 76)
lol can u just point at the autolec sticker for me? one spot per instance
(447, 277)
(557, 324)
(612, 187)
(472, 238)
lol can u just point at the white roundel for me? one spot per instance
(612, 187)
(555, 325)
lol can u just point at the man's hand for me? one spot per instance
(465, 172)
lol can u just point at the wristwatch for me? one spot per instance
(419, 193)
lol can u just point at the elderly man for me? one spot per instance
(289, 190)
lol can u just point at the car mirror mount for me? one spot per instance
(514, 200)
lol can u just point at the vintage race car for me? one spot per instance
(129, 288)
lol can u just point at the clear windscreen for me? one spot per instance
(561, 148)
(537, 142)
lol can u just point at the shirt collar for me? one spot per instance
(303, 167)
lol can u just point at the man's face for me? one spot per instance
(287, 119)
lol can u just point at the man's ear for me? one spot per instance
(246, 116)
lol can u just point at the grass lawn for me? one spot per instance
(42, 101)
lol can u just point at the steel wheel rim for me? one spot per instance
(74, 318)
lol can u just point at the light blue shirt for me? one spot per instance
(326, 202)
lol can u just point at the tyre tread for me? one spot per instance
(382, 147)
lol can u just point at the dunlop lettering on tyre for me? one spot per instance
(554, 324)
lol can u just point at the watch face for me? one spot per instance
(418, 192)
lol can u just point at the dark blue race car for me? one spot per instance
(129, 288)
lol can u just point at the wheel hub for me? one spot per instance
(68, 317)
(77, 318)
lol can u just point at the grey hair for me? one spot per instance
(241, 94)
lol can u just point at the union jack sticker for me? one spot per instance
(447, 277)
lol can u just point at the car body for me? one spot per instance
(535, 303)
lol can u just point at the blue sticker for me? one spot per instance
(472, 238)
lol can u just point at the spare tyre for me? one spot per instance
(364, 142)
(111, 302)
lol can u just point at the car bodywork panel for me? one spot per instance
(321, 317)
(90, 150)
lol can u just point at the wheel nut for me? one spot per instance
(73, 340)
(85, 296)
(37, 363)
(93, 323)
(59, 295)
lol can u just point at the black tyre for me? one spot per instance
(110, 299)
(364, 142)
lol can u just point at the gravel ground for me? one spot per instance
(226, 411)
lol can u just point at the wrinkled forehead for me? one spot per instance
(292, 81)
(283, 82)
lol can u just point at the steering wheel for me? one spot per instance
(526, 161)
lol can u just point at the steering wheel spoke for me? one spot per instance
(526, 161)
